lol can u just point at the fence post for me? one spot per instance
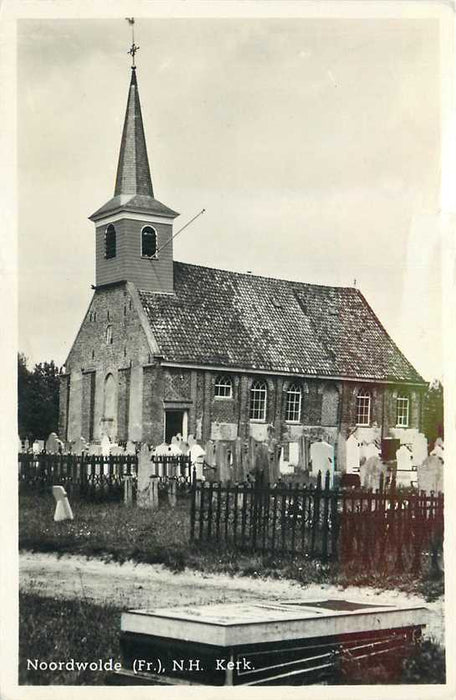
(326, 497)
(128, 490)
(192, 504)
(172, 492)
(153, 491)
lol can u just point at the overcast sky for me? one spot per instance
(313, 145)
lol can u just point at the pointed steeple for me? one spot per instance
(133, 190)
(133, 173)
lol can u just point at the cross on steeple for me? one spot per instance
(133, 49)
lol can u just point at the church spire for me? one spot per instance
(133, 173)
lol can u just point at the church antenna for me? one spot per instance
(133, 48)
(180, 231)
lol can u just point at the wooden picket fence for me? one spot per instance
(386, 528)
(98, 477)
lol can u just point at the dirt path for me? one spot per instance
(132, 585)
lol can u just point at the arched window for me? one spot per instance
(109, 403)
(223, 388)
(148, 242)
(363, 407)
(258, 398)
(293, 404)
(109, 335)
(402, 411)
(110, 242)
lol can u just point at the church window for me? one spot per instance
(258, 398)
(148, 242)
(293, 404)
(402, 411)
(363, 407)
(109, 407)
(223, 387)
(109, 335)
(110, 242)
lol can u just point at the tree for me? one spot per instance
(38, 399)
(433, 412)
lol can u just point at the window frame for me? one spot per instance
(258, 395)
(110, 242)
(223, 381)
(364, 394)
(293, 390)
(145, 231)
(108, 334)
(402, 398)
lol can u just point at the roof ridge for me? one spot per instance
(248, 275)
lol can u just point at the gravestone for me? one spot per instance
(53, 444)
(370, 472)
(293, 459)
(438, 450)
(38, 447)
(146, 470)
(261, 463)
(280, 641)
(210, 461)
(223, 473)
(80, 445)
(94, 450)
(130, 448)
(404, 458)
(105, 446)
(419, 449)
(116, 451)
(351, 455)
(322, 460)
(197, 459)
(62, 509)
(430, 475)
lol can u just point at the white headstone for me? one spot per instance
(322, 459)
(145, 468)
(197, 457)
(105, 446)
(352, 455)
(53, 444)
(130, 448)
(419, 449)
(370, 472)
(438, 450)
(94, 449)
(38, 446)
(430, 474)
(62, 509)
(404, 458)
(293, 460)
(117, 450)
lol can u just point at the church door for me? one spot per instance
(175, 424)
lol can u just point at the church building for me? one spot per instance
(167, 347)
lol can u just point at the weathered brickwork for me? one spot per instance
(123, 403)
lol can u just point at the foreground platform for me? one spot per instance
(294, 642)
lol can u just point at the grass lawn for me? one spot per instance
(61, 630)
(117, 532)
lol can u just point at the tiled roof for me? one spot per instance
(137, 203)
(233, 320)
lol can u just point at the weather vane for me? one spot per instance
(133, 48)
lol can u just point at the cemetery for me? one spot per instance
(228, 423)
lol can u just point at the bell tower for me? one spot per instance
(133, 229)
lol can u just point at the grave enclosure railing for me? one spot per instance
(98, 477)
(387, 529)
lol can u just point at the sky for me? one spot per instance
(314, 146)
